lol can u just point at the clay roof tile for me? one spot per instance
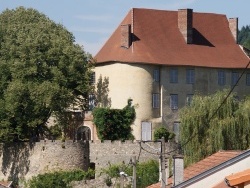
(204, 165)
(157, 40)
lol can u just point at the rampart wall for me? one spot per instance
(117, 152)
(24, 160)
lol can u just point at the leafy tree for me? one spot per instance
(42, 71)
(163, 132)
(244, 36)
(114, 124)
(207, 126)
(102, 91)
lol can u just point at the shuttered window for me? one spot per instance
(146, 131)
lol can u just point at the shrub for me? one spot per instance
(114, 124)
(163, 132)
(147, 173)
(59, 179)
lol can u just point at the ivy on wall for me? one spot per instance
(114, 124)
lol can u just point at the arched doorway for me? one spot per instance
(83, 133)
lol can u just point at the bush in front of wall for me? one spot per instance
(163, 132)
(114, 124)
(147, 173)
(59, 179)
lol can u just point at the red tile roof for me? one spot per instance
(204, 165)
(159, 41)
(238, 178)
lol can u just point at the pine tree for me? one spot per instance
(244, 36)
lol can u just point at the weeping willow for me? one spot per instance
(208, 126)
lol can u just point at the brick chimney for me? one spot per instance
(233, 25)
(178, 169)
(126, 35)
(185, 24)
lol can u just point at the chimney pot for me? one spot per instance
(185, 24)
(233, 25)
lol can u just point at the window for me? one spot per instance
(156, 100)
(91, 101)
(146, 131)
(248, 79)
(156, 75)
(235, 77)
(92, 78)
(173, 75)
(174, 101)
(221, 77)
(190, 76)
(189, 99)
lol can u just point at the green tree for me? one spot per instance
(244, 36)
(102, 93)
(114, 124)
(163, 132)
(42, 71)
(207, 126)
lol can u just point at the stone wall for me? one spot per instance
(118, 152)
(24, 160)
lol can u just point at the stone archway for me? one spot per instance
(83, 133)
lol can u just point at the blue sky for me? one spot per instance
(93, 21)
